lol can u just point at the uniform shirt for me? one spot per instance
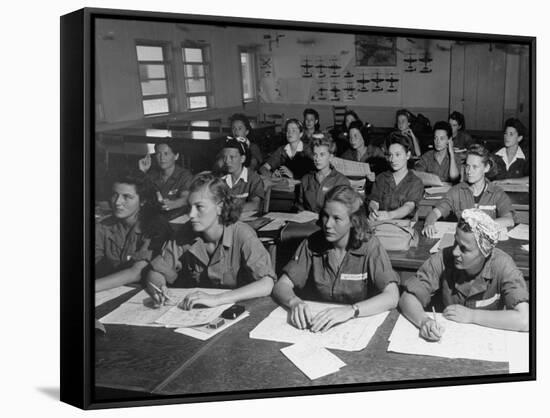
(118, 246)
(372, 151)
(518, 167)
(363, 273)
(248, 185)
(493, 201)
(312, 193)
(462, 140)
(239, 259)
(391, 196)
(428, 163)
(498, 285)
(171, 189)
(255, 153)
(300, 163)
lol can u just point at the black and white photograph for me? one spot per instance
(256, 234)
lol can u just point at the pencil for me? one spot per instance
(161, 292)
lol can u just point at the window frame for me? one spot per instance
(206, 63)
(253, 74)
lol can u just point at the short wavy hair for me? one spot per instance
(459, 118)
(322, 140)
(310, 111)
(360, 229)
(486, 158)
(517, 125)
(443, 126)
(243, 118)
(231, 206)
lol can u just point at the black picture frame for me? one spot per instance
(78, 116)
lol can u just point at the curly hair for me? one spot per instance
(486, 158)
(443, 126)
(231, 206)
(241, 117)
(294, 121)
(517, 125)
(310, 111)
(459, 118)
(360, 229)
(397, 137)
(322, 140)
(355, 116)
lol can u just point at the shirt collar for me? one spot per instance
(299, 148)
(502, 153)
(198, 249)
(244, 177)
(478, 284)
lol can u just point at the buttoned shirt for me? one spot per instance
(517, 167)
(312, 193)
(248, 185)
(391, 196)
(173, 187)
(370, 152)
(428, 163)
(364, 272)
(498, 285)
(493, 201)
(300, 163)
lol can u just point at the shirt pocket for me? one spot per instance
(490, 303)
(490, 210)
(353, 286)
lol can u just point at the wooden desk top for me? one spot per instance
(160, 361)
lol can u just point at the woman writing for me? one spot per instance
(344, 263)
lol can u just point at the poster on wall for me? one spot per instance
(375, 51)
(306, 66)
(266, 66)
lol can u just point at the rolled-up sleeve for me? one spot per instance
(421, 164)
(256, 258)
(379, 265)
(426, 280)
(446, 205)
(256, 188)
(168, 262)
(512, 286)
(298, 268)
(503, 204)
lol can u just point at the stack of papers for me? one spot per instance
(521, 231)
(429, 179)
(436, 192)
(447, 240)
(313, 361)
(349, 336)
(301, 217)
(468, 341)
(351, 168)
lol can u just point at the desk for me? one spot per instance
(160, 361)
(259, 129)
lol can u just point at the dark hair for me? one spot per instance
(238, 144)
(320, 140)
(517, 125)
(346, 114)
(170, 144)
(459, 117)
(231, 207)
(310, 111)
(397, 137)
(360, 230)
(403, 112)
(241, 117)
(296, 122)
(486, 158)
(443, 126)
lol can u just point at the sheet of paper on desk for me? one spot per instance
(437, 190)
(515, 188)
(203, 333)
(351, 168)
(300, 217)
(248, 215)
(459, 341)
(180, 318)
(521, 231)
(349, 336)
(428, 179)
(313, 361)
(106, 295)
(180, 220)
(517, 346)
(274, 225)
(447, 240)
(443, 228)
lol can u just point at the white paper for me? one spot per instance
(106, 295)
(443, 228)
(525, 247)
(180, 220)
(437, 190)
(517, 345)
(353, 335)
(274, 225)
(177, 317)
(428, 179)
(203, 332)
(447, 240)
(313, 361)
(521, 231)
(351, 168)
(248, 215)
(514, 188)
(300, 217)
(459, 341)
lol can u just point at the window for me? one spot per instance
(248, 75)
(153, 69)
(198, 83)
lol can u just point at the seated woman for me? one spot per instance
(403, 124)
(292, 160)
(396, 193)
(461, 139)
(311, 124)
(126, 241)
(361, 152)
(441, 160)
(344, 263)
(171, 180)
(479, 284)
(241, 128)
(342, 136)
(213, 250)
(316, 183)
(246, 185)
(474, 192)
(511, 161)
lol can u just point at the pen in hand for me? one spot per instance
(161, 292)
(435, 320)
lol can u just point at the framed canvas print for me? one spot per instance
(259, 208)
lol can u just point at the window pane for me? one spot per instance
(149, 53)
(195, 86)
(149, 88)
(193, 54)
(197, 102)
(155, 106)
(194, 70)
(147, 71)
(247, 81)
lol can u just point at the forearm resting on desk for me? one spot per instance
(412, 309)
(252, 290)
(402, 212)
(516, 319)
(121, 278)
(382, 302)
(283, 292)
(506, 220)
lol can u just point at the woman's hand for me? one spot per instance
(199, 298)
(451, 147)
(300, 315)
(371, 177)
(431, 330)
(155, 286)
(169, 204)
(144, 163)
(285, 172)
(429, 230)
(383, 215)
(328, 318)
(459, 313)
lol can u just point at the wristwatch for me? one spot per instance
(355, 310)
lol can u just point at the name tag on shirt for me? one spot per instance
(325, 189)
(355, 277)
(487, 302)
(241, 196)
(487, 207)
(173, 192)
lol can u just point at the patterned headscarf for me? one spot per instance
(485, 229)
